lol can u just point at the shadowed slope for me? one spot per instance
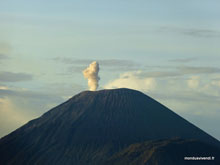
(167, 152)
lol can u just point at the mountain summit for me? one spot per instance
(93, 126)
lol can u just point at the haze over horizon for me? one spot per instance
(168, 50)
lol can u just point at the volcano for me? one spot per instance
(107, 126)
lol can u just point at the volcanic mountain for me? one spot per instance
(106, 126)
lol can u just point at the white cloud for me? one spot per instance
(10, 116)
(193, 82)
(176, 93)
(216, 83)
(19, 105)
(133, 81)
(3, 88)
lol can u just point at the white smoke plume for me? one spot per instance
(91, 73)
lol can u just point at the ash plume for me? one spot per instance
(91, 73)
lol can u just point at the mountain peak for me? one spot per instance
(117, 91)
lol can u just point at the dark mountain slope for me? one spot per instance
(92, 126)
(166, 152)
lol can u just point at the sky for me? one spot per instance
(167, 49)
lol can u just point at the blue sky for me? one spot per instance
(167, 49)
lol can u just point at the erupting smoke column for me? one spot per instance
(91, 73)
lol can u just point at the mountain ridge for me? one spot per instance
(167, 151)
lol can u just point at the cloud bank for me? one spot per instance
(18, 106)
(133, 81)
(14, 77)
